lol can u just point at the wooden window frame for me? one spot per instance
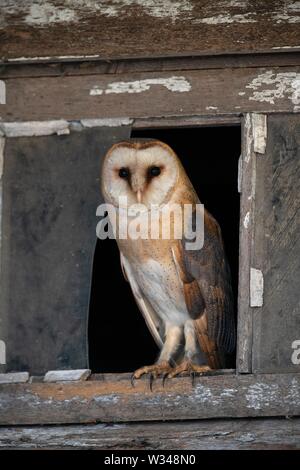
(220, 394)
(110, 397)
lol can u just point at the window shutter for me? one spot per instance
(276, 248)
(51, 189)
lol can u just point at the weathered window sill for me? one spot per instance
(111, 398)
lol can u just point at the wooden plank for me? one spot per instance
(186, 121)
(247, 185)
(3, 333)
(111, 400)
(48, 245)
(67, 375)
(14, 377)
(233, 434)
(64, 67)
(153, 94)
(276, 324)
(128, 28)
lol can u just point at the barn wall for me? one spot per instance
(110, 29)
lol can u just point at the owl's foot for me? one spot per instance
(154, 371)
(188, 366)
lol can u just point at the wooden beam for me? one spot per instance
(125, 28)
(233, 434)
(153, 94)
(186, 121)
(63, 67)
(247, 187)
(113, 399)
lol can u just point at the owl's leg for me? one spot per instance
(190, 361)
(163, 364)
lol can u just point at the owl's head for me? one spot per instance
(144, 171)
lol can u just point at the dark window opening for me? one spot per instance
(119, 340)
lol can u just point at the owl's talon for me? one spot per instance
(164, 379)
(154, 371)
(192, 375)
(132, 379)
(151, 380)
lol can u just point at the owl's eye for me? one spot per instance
(154, 171)
(123, 172)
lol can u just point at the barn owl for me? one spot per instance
(184, 295)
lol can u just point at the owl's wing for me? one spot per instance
(151, 318)
(206, 279)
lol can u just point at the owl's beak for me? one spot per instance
(139, 196)
(137, 185)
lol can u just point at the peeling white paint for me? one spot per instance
(171, 9)
(246, 220)
(288, 14)
(240, 173)
(59, 127)
(30, 59)
(228, 18)
(110, 122)
(42, 12)
(204, 394)
(286, 47)
(259, 122)
(248, 137)
(256, 288)
(294, 6)
(286, 18)
(2, 352)
(293, 395)
(271, 86)
(174, 84)
(67, 375)
(64, 131)
(2, 92)
(229, 392)
(59, 57)
(249, 154)
(233, 3)
(14, 377)
(260, 395)
(211, 108)
(106, 399)
(248, 437)
(34, 128)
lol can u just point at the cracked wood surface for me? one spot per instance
(153, 94)
(112, 398)
(230, 434)
(276, 324)
(132, 28)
